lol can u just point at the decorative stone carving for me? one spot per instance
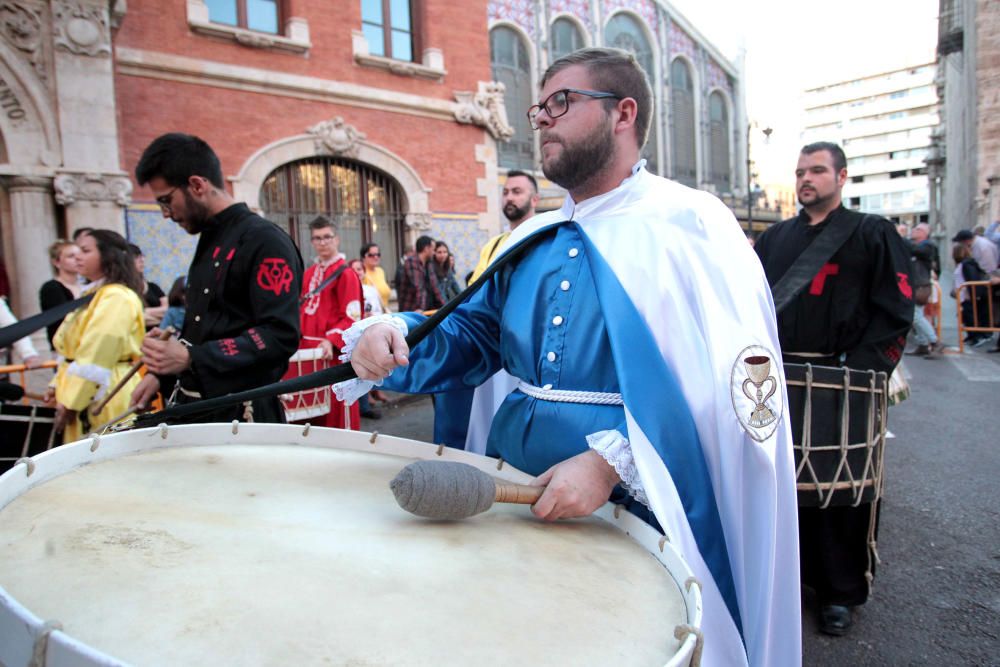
(73, 188)
(21, 26)
(485, 108)
(81, 29)
(335, 137)
(420, 221)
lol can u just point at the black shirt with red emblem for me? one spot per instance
(859, 305)
(242, 318)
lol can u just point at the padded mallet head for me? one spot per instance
(444, 490)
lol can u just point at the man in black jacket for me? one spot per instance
(242, 318)
(925, 266)
(856, 312)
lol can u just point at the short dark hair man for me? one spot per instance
(856, 313)
(519, 199)
(242, 319)
(331, 302)
(417, 289)
(620, 328)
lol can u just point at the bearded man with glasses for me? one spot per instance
(632, 324)
(242, 319)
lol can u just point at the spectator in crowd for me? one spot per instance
(443, 268)
(153, 299)
(80, 231)
(24, 347)
(374, 274)
(416, 286)
(975, 311)
(983, 250)
(519, 198)
(176, 306)
(98, 343)
(65, 259)
(925, 263)
(373, 306)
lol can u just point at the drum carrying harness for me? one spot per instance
(344, 371)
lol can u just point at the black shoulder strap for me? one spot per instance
(812, 259)
(343, 371)
(323, 285)
(30, 325)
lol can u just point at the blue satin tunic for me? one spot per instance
(539, 320)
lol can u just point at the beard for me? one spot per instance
(196, 215)
(514, 212)
(582, 161)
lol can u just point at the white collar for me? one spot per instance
(571, 210)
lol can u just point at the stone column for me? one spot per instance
(33, 230)
(93, 199)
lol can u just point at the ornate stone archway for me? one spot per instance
(335, 138)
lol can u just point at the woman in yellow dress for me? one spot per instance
(375, 274)
(99, 343)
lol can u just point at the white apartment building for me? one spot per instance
(884, 123)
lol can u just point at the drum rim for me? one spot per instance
(21, 626)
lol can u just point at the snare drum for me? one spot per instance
(263, 544)
(308, 403)
(838, 419)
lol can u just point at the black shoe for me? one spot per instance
(371, 413)
(921, 350)
(835, 619)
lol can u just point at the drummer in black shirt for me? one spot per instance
(242, 318)
(856, 313)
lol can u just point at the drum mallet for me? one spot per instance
(449, 490)
(97, 407)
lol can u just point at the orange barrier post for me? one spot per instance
(20, 369)
(981, 322)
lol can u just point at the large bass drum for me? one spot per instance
(259, 544)
(838, 419)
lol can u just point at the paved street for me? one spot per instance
(937, 595)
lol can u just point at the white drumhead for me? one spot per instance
(256, 550)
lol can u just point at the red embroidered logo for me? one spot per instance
(274, 275)
(257, 340)
(816, 288)
(903, 281)
(228, 346)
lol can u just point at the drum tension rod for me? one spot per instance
(440, 450)
(236, 426)
(95, 443)
(371, 440)
(305, 431)
(27, 462)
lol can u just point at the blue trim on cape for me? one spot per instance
(667, 422)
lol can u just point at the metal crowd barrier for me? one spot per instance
(981, 322)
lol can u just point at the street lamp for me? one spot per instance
(767, 136)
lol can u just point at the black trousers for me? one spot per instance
(833, 548)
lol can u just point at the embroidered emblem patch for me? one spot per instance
(756, 392)
(274, 275)
(353, 310)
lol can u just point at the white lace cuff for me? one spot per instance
(349, 391)
(616, 450)
(91, 372)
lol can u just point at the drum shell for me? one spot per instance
(308, 403)
(25, 430)
(817, 394)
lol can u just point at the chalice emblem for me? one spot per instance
(759, 372)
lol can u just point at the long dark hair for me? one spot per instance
(117, 261)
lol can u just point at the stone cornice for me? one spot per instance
(152, 64)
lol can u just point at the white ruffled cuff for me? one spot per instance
(349, 391)
(616, 450)
(97, 374)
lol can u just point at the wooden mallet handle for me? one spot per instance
(521, 494)
(96, 408)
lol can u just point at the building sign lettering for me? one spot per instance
(9, 104)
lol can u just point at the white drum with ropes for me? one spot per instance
(263, 544)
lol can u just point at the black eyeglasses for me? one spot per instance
(165, 200)
(557, 104)
(324, 238)
(373, 254)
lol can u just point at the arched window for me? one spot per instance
(624, 32)
(566, 38)
(718, 141)
(365, 205)
(512, 68)
(682, 126)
